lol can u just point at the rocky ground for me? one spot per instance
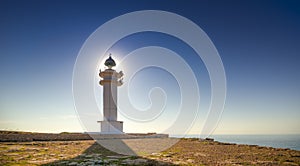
(184, 152)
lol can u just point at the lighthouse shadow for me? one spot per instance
(136, 144)
(99, 155)
(116, 145)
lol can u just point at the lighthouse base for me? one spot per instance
(111, 127)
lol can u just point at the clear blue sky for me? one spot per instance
(258, 41)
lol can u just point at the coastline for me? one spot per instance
(291, 141)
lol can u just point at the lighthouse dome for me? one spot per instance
(110, 62)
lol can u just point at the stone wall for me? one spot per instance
(27, 137)
(14, 136)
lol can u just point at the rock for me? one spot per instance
(190, 161)
(89, 156)
(117, 157)
(98, 161)
(134, 161)
(73, 163)
(112, 160)
(128, 162)
(155, 154)
(180, 163)
(209, 139)
(81, 164)
(82, 155)
(89, 163)
(140, 161)
(63, 162)
(97, 155)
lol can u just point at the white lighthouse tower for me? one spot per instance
(110, 82)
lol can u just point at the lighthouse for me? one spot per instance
(110, 81)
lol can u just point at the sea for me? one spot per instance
(277, 141)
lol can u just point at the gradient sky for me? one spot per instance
(258, 41)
